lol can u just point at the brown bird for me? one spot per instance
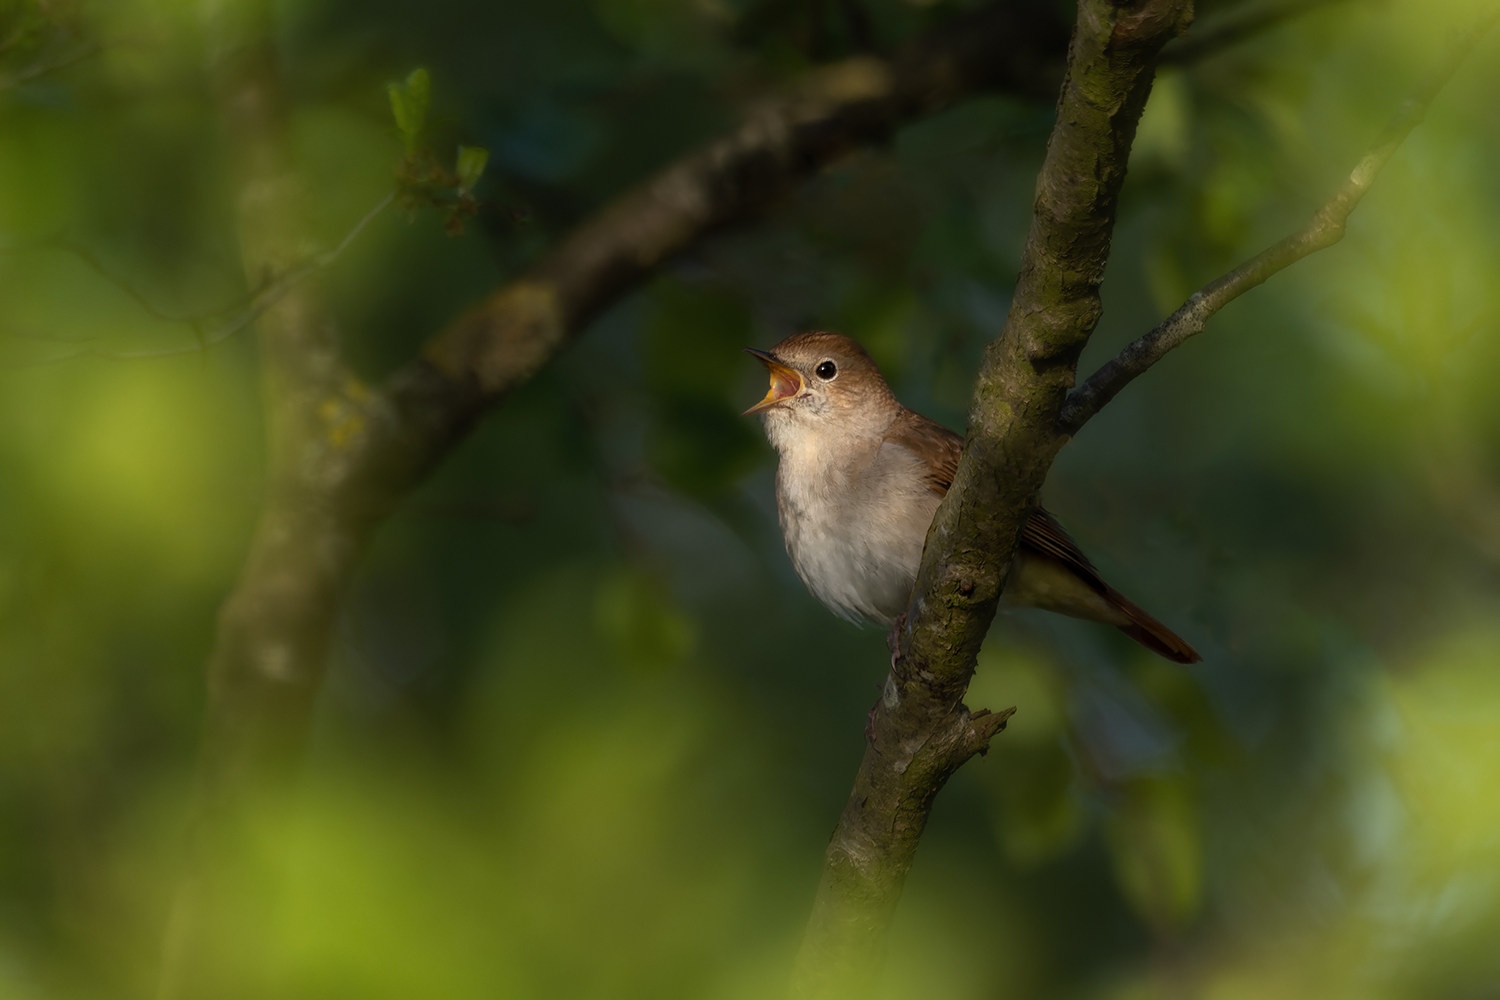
(859, 479)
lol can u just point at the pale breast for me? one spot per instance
(854, 529)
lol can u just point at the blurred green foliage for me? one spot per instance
(410, 100)
(585, 733)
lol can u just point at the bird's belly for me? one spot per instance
(860, 564)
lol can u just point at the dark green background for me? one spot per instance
(585, 733)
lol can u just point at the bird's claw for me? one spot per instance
(893, 639)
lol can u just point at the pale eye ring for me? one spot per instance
(826, 371)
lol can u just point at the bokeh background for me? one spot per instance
(585, 733)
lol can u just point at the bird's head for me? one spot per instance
(820, 381)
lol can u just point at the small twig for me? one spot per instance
(44, 66)
(88, 256)
(1324, 230)
(206, 336)
(327, 258)
(1235, 26)
(499, 510)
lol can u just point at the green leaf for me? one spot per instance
(409, 102)
(471, 164)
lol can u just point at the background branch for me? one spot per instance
(1326, 228)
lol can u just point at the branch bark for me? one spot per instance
(1326, 228)
(921, 730)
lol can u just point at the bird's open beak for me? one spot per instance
(785, 383)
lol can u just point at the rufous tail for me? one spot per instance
(1151, 633)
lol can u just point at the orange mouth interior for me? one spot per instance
(785, 383)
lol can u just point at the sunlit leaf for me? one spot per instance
(471, 164)
(409, 101)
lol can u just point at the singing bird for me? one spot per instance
(859, 479)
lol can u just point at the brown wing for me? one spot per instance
(930, 441)
(939, 448)
(1043, 533)
(1046, 536)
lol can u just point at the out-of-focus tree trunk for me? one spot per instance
(267, 664)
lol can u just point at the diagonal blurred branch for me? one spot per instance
(1326, 228)
(1009, 46)
(500, 343)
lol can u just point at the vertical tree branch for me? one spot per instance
(921, 730)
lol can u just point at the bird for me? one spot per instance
(859, 477)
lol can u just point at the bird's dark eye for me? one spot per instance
(826, 371)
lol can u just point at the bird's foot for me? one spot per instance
(893, 639)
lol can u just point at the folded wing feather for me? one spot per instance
(1042, 539)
